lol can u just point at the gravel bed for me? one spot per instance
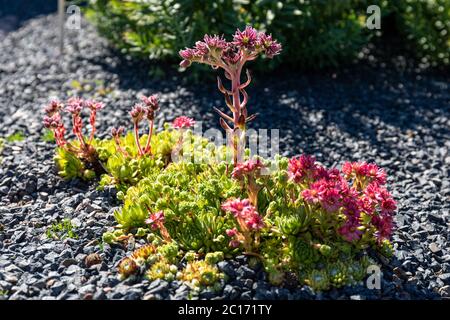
(385, 112)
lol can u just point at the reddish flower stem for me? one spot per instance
(78, 133)
(237, 135)
(136, 139)
(92, 122)
(148, 147)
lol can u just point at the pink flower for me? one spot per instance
(246, 39)
(388, 205)
(377, 195)
(244, 211)
(252, 218)
(235, 206)
(328, 193)
(183, 122)
(138, 112)
(270, 46)
(215, 42)
(155, 218)
(310, 195)
(231, 232)
(384, 225)
(350, 231)
(75, 105)
(231, 54)
(234, 243)
(94, 105)
(201, 49)
(246, 168)
(185, 63)
(151, 102)
(378, 203)
(329, 175)
(301, 167)
(352, 204)
(331, 200)
(53, 121)
(53, 107)
(347, 168)
(187, 54)
(231, 57)
(364, 170)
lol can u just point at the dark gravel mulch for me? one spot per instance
(383, 112)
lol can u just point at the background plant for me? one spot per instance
(61, 230)
(317, 33)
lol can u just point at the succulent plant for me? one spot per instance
(318, 280)
(141, 255)
(161, 270)
(201, 274)
(300, 218)
(169, 251)
(302, 252)
(387, 249)
(293, 221)
(214, 257)
(128, 267)
(337, 274)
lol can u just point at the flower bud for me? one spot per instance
(137, 113)
(151, 102)
(94, 105)
(53, 107)
(185, 63)
(75, 105)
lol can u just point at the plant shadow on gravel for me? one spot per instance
(358, 99)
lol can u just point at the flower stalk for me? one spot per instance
(231, 56)
(86, 152)
(144, 110)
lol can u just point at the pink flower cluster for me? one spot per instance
(301, 168)
(183, 123)
(332, 192)
(146, 109)
(248, 220)
(74, 106)
(247, 168)
(243, 210)
(364, 171)
(216, 51)
(54, 122)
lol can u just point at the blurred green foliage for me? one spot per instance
(425, 25)
(314, 33)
